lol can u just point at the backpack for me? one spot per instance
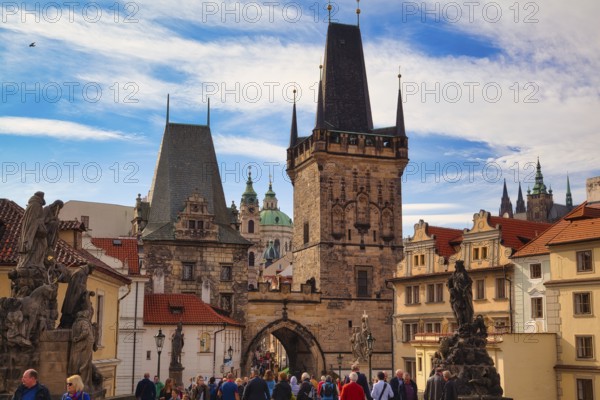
(212, 387)
(327, 389)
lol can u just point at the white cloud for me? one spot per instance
(56, 129)
(248, 147)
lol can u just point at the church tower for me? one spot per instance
(539, 200)
(249, 219)
(347, 182)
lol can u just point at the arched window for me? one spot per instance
(251, 226)
(251, 259)
(205, 342)
(278, 247)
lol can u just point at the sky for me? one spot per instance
(488, 87)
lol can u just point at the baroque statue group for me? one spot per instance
(32, 308)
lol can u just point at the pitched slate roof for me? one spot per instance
(193, 311)
(346, 103)
(123, 249)
(187, 163)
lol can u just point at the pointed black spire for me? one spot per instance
(569, 200)
(320, 119)
(208, 114)
(294, 129)
(505, 204)
(520, 202)
(400, 129)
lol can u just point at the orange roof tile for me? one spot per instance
(72, 225)
(578, 231)
(516, 233)
(443, 238)
(123, 249)
(158, 311)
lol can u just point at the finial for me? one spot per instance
(399, 77)
(320, 71)
(294, 95)
(358, 13)
(208, 114)
(329, 8)
(249, 173)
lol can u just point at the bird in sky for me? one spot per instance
(32, 44)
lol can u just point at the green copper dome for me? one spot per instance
(274, 218)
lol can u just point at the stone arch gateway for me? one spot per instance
(303, 349)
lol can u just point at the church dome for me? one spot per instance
(274, 218)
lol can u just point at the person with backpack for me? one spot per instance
(282, 390)
(328, 390)
(212, 388)
(382, 390)
(307, 390)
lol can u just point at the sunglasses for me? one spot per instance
(69, 384)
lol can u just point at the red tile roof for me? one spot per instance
(123, 249)
(516, 233)
(582, 223)
(443, 238)
(157, 311)
(11, 215)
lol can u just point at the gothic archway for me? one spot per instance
(303, 351)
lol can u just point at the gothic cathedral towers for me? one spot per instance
(347, 181)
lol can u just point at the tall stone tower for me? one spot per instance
(347, 181)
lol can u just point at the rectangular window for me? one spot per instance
(585, 389)
(412, 295)
(584, 346)
(420, 364)
(226, 274)
(305, 232)
(433, 327)
(187, 271)
(226, 302)
(409, 331)
(537, 307)
(148, 354)
(500, 288)
(476, 253)
(484, 251)
(410, 366)
(86, 221)
(100, 316)
(431, 293)
(191, 224)
(480, 253)
(582, 303)
(535, 271)
(349, 234)
(439, 292)
(374, 236)
(480, 289)
(584, 261)
(362, 284)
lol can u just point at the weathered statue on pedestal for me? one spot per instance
(465, 354)
(358, 340)
(177, 346)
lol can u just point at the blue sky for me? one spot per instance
(488, 87)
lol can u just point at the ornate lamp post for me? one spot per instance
(339, 360)
(160, 341)
(230, 353)
(370, 340)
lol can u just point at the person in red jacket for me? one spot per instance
(352, 390)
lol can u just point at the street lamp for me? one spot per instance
(370, 340)
(339, 360)
(230, 353)
(160, 341)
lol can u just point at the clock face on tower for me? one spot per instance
(251, 209)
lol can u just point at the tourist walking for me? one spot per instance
(382, 390)
(307, 390)
(435, 386)
(256, 389)
(449, 391)
(201, 391)
(282, 390)
(408, 390)
(352, 390)
(328, 390)
(229, 389)
(31, 388)
(294, 385)
(145, 389)
(75, 389)
(396, 382)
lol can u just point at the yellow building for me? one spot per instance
(421, 302)
(104, 281)
(573, 298)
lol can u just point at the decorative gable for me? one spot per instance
(195, 221)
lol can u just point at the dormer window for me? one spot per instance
(176, 309)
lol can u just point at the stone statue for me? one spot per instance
(177, 346)
(461, 295)
(358, 340)
(77, 296)
(82, 347)
(51, 222)
(32, 242)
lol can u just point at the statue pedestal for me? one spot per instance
(54, 358)
(176, 373)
